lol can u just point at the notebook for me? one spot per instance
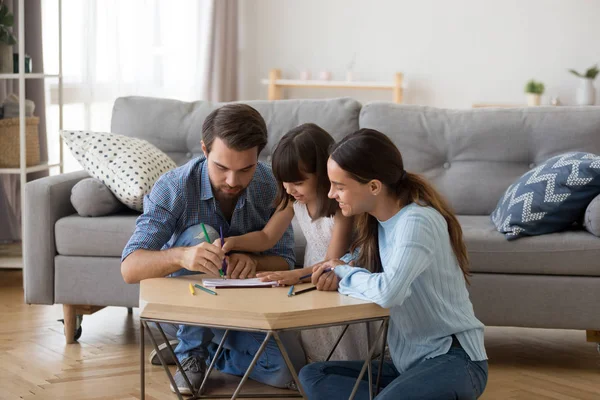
(233, 283)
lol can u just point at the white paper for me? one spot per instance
(214, 282)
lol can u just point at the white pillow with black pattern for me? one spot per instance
(127, 166)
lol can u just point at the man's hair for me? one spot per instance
(240, 126)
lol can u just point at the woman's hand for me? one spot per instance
(286, 278)
(327, 281)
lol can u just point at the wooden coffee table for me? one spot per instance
(268, 310)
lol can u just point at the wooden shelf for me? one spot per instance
(33, 168)
(276, 85)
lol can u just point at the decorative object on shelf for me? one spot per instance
(28, 65)
(324, 75)
(556, 101)
(586, 92)
(10, 107)
(7, 40)
(9, 142)
(305, 74)
(534, 91)
(350, 69)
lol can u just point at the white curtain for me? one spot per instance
(112, 48)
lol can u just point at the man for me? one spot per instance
(228, 188)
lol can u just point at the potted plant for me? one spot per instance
(586, 92)
(7, 39)
(534, 91)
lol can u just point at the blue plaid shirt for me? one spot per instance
(183, 197)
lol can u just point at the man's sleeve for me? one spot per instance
(162, 208)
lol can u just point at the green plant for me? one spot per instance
(589, 74)
(534, 87)
(7, 20)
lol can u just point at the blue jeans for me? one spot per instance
(239, 347)
(450, 376)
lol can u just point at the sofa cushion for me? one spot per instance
(175, 126)
(472, 156)
(103, 236)
(591, 221)
(550, 197)
(573, 252)
(92, 198)
(128, 166)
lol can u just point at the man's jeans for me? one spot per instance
(450, 376)
(239, 347)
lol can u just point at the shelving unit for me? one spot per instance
(23, 169)
(276, 85)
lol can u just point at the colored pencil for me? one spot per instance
(192, 290)
(205, 289)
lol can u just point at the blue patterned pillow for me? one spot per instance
(550, 197)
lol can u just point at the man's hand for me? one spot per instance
(204, 257)
(241, 266)
(327, 281)
(286, 278)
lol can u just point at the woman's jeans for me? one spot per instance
(239, 347)
(450, 376)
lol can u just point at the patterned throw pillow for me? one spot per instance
(550, 197)
(128, 166)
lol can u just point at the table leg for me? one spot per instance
(289, 364)
(212, 362)
(142, 365)
(367, 362)
(337, 342)
(252, 364)
(187, 381)
(385, 332)
(164, 364)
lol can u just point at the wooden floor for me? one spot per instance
(35, 363)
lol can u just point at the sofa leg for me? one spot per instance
(69, 314)
(129, 310)
(593, 336)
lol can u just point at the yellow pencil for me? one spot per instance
(192, 291)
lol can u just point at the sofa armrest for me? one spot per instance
(46, 201)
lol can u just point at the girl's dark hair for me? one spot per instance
(304, 150)
(369, 154)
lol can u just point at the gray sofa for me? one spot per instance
(471, 156)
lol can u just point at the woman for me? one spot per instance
(408, 256)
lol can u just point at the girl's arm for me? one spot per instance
(340, 237)
(266, 238)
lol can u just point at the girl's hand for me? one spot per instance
(228, 246)
(327, 281)
(286, 278)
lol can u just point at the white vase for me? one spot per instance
(533, 99)
(6, 58)
(586, 92)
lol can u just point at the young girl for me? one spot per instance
(410, 258)
(300, 167)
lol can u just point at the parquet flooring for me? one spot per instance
(35, 362)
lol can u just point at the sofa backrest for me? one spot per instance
(175, 127)
(472, 156)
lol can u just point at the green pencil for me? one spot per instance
(221, 274)
(205, 289)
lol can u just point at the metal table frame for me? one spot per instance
(381, 332)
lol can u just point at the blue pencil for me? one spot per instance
(291, 291)
(309, 275)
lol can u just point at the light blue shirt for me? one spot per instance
(422, 285)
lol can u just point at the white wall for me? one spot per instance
(453, 53)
